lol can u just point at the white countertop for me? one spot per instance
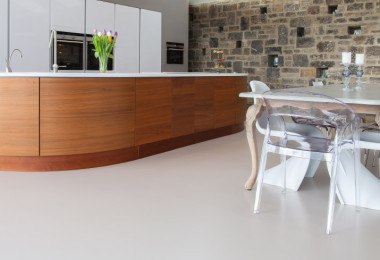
(116, 75)
(368, 95)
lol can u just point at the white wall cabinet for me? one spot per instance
(127, 24)
(99, 15)
(67, 15)
(29, 32)
(150, 41)
(4, 30)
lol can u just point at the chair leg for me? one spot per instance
(260, 179)
(283, 169)
(332, 191)
(357, 165)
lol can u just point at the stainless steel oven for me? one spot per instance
(174, 53)
(75, 52)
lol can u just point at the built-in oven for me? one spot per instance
(70, 54)
(75, 51)
(174, 53)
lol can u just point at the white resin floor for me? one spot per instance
(186, 204)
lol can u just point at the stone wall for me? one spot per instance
(304, 35)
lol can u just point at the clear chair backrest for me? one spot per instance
(313, 108)
(258, 86)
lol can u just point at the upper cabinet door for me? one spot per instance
(68, 15)
(150, 41)
(4, 29)
(30, 32)
(127, 24)
(99, 15)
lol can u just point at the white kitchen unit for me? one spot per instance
(68, 15)
(150, 41)
(126, 52)
(4, 29)
(29, 32)
(99, 15)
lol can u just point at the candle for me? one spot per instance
(359, 59)
(346, 57)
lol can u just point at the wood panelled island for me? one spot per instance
(67, 121)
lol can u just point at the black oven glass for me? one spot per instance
(174, 56)
(69, 55)
(92, 62)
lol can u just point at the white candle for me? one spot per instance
(346, 57)
(359, 59)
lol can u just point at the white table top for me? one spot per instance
(116, 74)
(368, 95)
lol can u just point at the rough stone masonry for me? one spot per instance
(286, 43)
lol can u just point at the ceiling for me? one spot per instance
(204, 1)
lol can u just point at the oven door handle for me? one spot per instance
(174, 49)
(68, 41)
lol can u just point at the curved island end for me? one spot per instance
(68, 121)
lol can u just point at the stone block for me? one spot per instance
(282, 35)
(300, 60)
(355, 7)
(373, 51)
(313, 9)
(324, 19)
(237, 66)
(236, 36)
(326, 46)
(218, 22)
(259, 19)
(273, 50)
(306, 42)
(273, 73)
(214, 42)
(257, 47)
(322, 64)
(244, 23)
(290, 70)
(308, 73)
(250, 35)
(213, 11)
(300, 22)
(229, 7)
(231, 18)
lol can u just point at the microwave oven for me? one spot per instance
(75, 51)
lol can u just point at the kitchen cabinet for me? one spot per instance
(99, 15)
(150, 41)
(4, 29)
(126, 52)
(29, 32)
(68, 15)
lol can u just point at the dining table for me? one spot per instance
(363, 100)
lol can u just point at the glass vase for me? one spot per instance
(103, 60)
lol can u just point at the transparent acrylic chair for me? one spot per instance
(327, 112)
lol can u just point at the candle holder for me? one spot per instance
(346, 75)
(359, 75)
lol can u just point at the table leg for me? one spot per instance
(253, 113)
(377, 119)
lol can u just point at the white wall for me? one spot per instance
(175, 24)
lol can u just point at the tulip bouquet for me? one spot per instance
(104, 43)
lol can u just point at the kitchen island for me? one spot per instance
(63, 121)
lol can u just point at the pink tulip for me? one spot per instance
(104, 32)
(95, 31)
(115, 34)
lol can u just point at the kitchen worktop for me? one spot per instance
(117, 75)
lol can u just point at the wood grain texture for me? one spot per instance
(182, 106)
(241, 107)
(19, 116)
(225, 101)
(86, 115)
(204, 103)
(153, 109)
(67, 162)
